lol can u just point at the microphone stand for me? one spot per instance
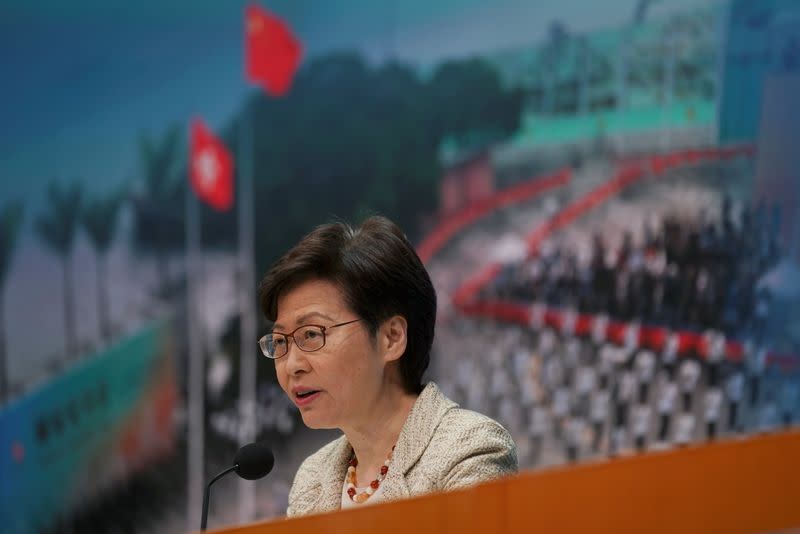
(208, 493)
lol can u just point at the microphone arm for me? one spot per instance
(208, 493)
(251, 462)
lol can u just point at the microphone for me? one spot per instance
(253, 461)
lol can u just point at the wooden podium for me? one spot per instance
(740, 485)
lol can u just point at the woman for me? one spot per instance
(353, 314)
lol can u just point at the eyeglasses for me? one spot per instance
(308, 338)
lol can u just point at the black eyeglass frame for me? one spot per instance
(263, 340)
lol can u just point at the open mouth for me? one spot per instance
(305, 394)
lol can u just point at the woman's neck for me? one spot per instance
(373, 438)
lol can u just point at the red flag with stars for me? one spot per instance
(211, 168)
(272, 53)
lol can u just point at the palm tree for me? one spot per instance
(57, 228)
(158, 206)
(99, 219)
(10, 222)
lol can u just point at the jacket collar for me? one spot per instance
(417, 432)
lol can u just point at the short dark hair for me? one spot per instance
(378, 272)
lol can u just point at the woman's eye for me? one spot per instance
(278, 341)
(311, 334)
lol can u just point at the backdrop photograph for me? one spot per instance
(605, 195)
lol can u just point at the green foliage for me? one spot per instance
(100, 218)
(158, 206)
(466, 96)
(57, 226)
(158, 161)
(352, 140)
(10, 222)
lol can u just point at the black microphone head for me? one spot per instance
(253, 461)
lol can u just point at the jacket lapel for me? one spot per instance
(326, 494)
(418, 430)
(395, 486)
(417, 433)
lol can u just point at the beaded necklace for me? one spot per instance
(373, 486)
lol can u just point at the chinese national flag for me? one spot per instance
(211, 168)
(272, 53)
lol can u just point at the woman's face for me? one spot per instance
(333, 386)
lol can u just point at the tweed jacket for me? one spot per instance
(441, 447)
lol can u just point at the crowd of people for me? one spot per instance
(692, 273)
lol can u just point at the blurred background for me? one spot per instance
(605, 197)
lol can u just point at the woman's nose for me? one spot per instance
(296, 361)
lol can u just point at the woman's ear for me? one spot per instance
(393, 337)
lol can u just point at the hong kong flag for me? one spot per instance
(272, 53)
(211, 168)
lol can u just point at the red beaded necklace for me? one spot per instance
(350, 478)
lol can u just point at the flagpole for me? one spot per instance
(275, 78)
(247, 307)
(196, 394)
